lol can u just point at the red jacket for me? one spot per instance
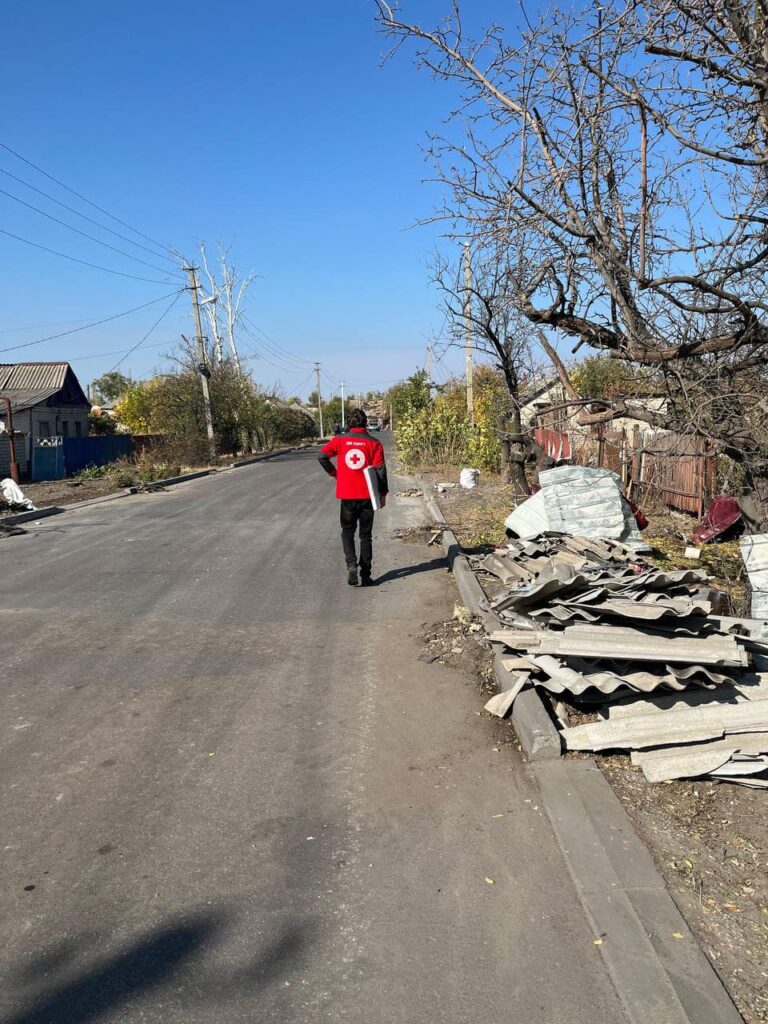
(354, 451)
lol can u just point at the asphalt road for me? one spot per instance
(231, 792)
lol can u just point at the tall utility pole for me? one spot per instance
(203, 364)
(468, 335)
(429, 362)
(319, 400)
(343, 416)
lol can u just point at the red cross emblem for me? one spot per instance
(354, 459)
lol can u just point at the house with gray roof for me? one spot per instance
(46, 401)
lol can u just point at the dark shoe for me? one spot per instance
(352, 577)
(365, 579)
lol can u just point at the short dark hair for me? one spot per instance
(357, 418)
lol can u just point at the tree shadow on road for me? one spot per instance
(150, 962)
(410, 570)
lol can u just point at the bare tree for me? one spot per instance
(233, 291)
(500, 334)
(210, 304)
(228, 288)
(630, 187)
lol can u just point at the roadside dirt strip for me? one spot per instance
(658, 969)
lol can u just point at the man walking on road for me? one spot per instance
(354, 452)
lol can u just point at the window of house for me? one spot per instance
(43, 428)
(78, 428)
(65, 428)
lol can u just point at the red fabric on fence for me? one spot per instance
(723, 513)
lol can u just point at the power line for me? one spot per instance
(151, 329)
(90, 220)
(83, 198)
(39, 327)
(290, 371)
(96, 323)
(283, 365)
(115, 352)
(300, 387)
(275, 344)
(272, 351)
(85, 234)
(85, 263)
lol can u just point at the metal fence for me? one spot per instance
(81, 452)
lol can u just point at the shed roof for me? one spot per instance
(30, 384)
(26, 398)
(32, 375)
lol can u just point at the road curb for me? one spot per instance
(534, 728)
(657, 967)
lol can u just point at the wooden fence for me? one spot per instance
(676, 469)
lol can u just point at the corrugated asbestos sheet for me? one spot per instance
(32, 376)
(589, 618)
(27, 398)
(621, 642)
(683, 725)
(29, 384)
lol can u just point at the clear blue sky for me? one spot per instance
(271, 126)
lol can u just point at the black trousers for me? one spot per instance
(354, 511)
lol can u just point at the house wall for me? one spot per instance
(61, 419)
(5, 454)
(28, 421)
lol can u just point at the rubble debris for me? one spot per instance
(673, 680)
(617, 642)
(469, 478)
(501, 703)
(682, 725)
(13, 495)
(746, 751)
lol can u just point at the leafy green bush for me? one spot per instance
(440, 432)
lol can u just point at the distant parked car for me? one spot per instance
(374, 423)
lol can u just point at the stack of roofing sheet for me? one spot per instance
(675, 684)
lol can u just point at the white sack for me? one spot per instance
(13, 495)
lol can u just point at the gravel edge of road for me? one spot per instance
(655, 963)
